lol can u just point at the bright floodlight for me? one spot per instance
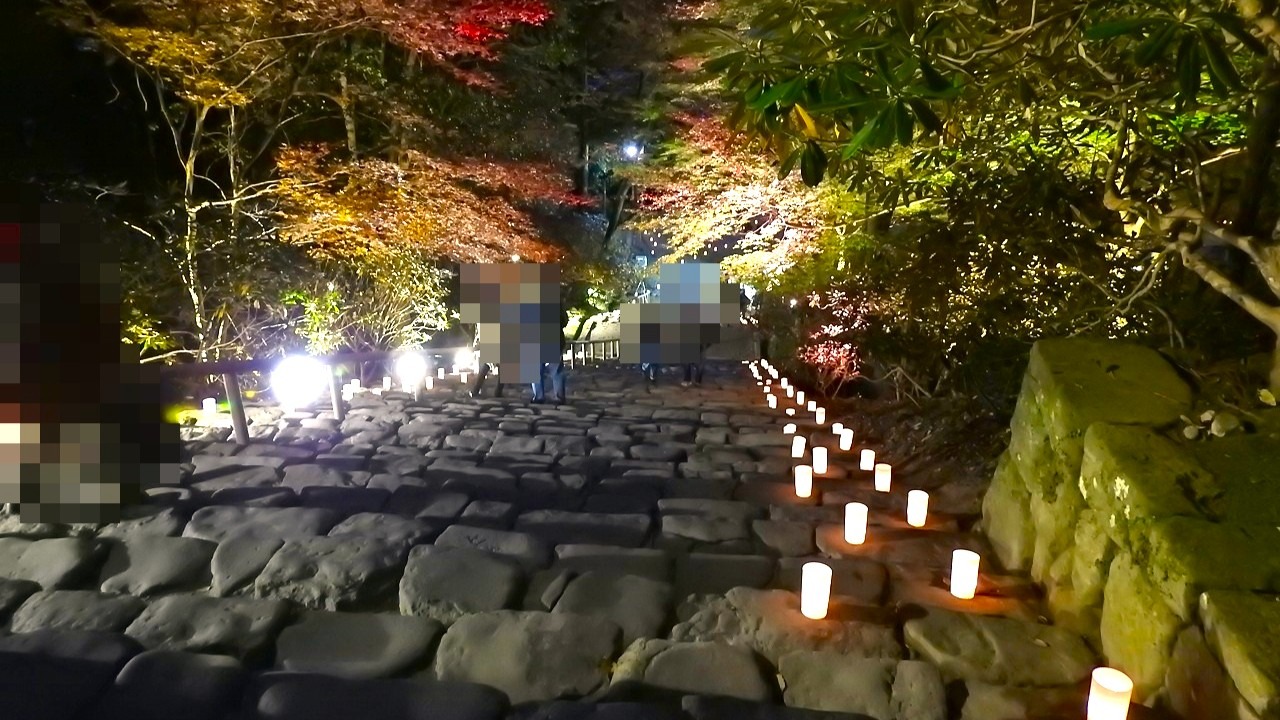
(465, 359)
(298, 380)
(411, 367)
(631, 150)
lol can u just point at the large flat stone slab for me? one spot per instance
(147, 565)
(53, 563)
(663, 669)
(331, 573)
(638, 605)
(238, 560)
(1000, 651)
(289, 696)
(161, 684)
(558, 527)
(76, 610)
(530, 656)
(59, 674)
(13, 593)
(530, 551)
(446, 583)
(237, 627)
(355, 645)
(770, 622)
(392, 529)
(644, 562)
(220, 522)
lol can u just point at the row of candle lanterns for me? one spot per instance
(1110, 691)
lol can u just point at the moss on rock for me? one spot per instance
(1006, 516)
(1138, 629)
(1184, 557)
(1241, 628)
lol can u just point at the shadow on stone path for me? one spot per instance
(476, 559)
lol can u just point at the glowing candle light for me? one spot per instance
(773, 401)
(819, 459)
(797, 446)
(820, 416)
(440, 373)
(964, 573)
(917, 508)
(1109, 695)
(376, 391)
(431, 382)
(846, 439)
(855, 523)
(868, 459)
(815, 590)
(804, 481)
(813, 405)
(837, 428)
(791, 411)
(799, 397)
(355, 384)
(209, 406)
(884, 476)
(789, 429)
(463, 377)
(791, 392)
(786, 384)
(386, 382)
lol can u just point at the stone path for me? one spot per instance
(633, 555)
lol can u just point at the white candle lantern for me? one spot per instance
(846, 439)
(855, 523)
(812, 406)
(376, 391)
(789, 429)
(791, 392)
(868, 459)
(815, 590)
(797, 446)
(355, 384)
(917, 508)
(819, 459)
(804, 481)
(463, 377)
(773, 401)
(791, 411)
(386, 382)
(431, 383)
(964, 573)
(209, 406)
(1109, 695)
(837, 428)
(884, 476)
(799, 397)
(820, 416)
(785, 384)
(440, 373)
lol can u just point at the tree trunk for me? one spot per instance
(1260, 149)
(348, 113)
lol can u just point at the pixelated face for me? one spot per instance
(517, 313)
(81, 433)
(692, 306)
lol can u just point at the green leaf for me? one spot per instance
(789, 163)
(904, 123)
(1116, 28)
(1221, 69)
(813, 164)
(777, 92)
(906, 11)
(882, 66)
(1154, 46)
(863, 136)
(724, 62)
(1234, 26)
(1188, 68)
(932, 78)
(925, 114)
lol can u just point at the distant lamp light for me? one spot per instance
(515, 258)
(631, 150)
(411, 368)
(298, 380)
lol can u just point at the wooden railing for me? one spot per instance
(593, 351)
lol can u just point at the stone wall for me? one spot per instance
(1160, 550)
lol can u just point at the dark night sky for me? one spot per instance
(57, 117)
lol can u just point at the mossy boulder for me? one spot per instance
(1138, 629)
(1241, 629)
(1184, 557)
(1245, 464)
(1054, 516)
(1132, 475)
(1006, 512)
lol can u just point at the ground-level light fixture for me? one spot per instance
(815, 590)
(299, 380)
(1109, 694)
(855, 523)
(411, 368)
(964, 573)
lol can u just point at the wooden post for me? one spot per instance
(231, 382)
(335, 392)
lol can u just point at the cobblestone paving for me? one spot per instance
(633, 554)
